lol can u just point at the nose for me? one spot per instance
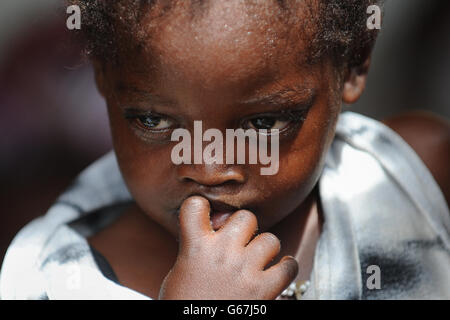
(211, 174)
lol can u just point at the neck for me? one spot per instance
(299, 233)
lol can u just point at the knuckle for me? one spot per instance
(290, 267)
(271, 240)
(245, 216)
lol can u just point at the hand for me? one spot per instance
(224, 265)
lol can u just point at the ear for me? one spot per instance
(355, 82)
(100, 79)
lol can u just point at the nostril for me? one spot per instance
(207, 176)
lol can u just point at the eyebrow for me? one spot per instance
(145, 96)
(288, 96)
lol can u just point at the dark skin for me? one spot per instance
(165, 245)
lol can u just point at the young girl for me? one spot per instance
(352, 213)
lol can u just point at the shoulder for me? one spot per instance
(20, 277)
(429, 136)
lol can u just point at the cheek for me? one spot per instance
(301, 163)
(145, 168)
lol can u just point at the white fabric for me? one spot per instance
(381, 207)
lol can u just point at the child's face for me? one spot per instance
(221, 68)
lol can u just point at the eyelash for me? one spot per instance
(135, 120)
(295, 120)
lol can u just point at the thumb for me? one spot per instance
(194, 218)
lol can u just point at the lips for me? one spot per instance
(220, 212)
(219, 206)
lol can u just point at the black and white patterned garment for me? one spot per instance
(381, 207)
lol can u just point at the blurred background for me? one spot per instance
(53, 123)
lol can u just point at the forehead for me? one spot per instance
(218, 40)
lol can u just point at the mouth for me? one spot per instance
(220, 213)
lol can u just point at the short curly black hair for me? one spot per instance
(340, 26)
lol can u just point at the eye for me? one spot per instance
(284, 122)
(153, 122)
(149, 126)
(268, 123)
